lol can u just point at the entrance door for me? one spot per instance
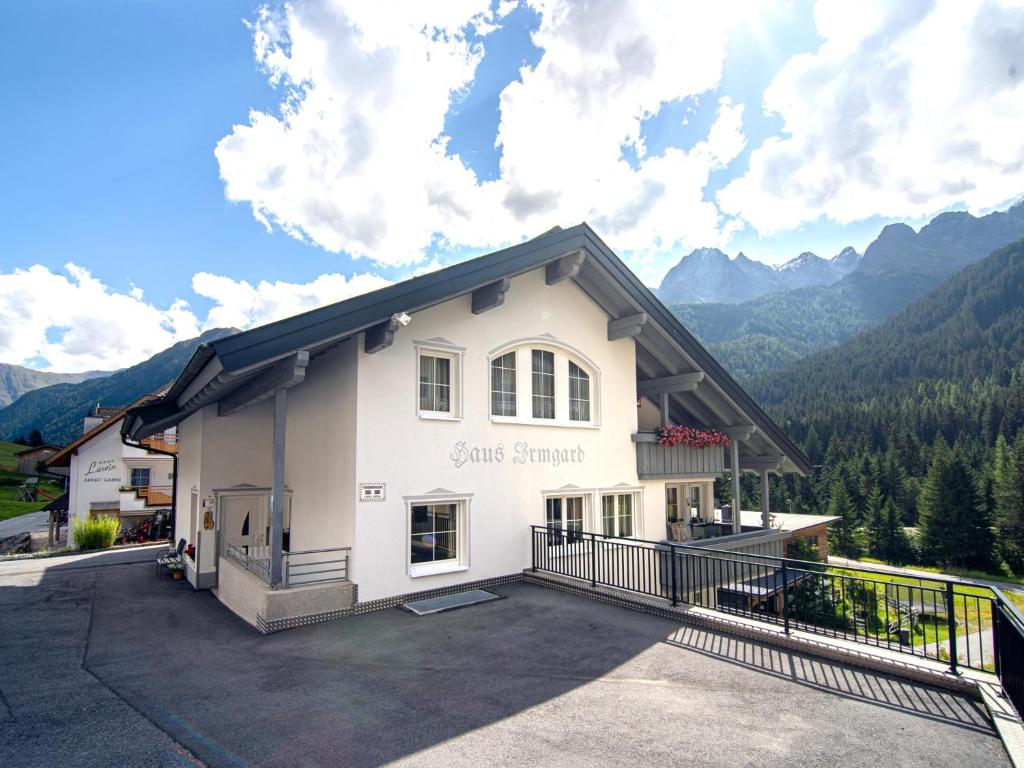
(243, 524)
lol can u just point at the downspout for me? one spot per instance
(174, 474)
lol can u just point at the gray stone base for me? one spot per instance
(266, 625)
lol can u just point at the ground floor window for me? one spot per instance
(564, 517)
(438, 539)
(617, 511)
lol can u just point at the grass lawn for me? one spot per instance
(10, 505)
(964, 573)
(972, 606)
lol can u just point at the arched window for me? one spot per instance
(543, 381)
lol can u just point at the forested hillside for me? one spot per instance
(16, 380)
(901, 265)
(908, 415)
(57, 411)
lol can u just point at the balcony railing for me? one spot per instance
(965, 625)
(300, 567)
(152, 495)
(167, 442)
(655, 461)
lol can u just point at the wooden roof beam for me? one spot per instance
(682, 382)
(283, 374)
(625, 327)
(564, 268)
(490, 296)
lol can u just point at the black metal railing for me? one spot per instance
(1008, 637)
(962, 624)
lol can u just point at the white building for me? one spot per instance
(108, 477)
(404, 441)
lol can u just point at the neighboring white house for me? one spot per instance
(404, 441)
(110, 478)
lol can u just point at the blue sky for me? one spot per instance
(114, 111)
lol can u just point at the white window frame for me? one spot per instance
(562, 495)
(454, 355)
(461, 560)
(563, 355)
(553, 397)
(515, 383)
(637, 511)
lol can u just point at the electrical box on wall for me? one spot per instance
(373, 491)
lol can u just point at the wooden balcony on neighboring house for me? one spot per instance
(152, 495)
(166, 442)
(655, 461)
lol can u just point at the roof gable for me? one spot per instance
(665, 347)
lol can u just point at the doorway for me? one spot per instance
(244, 523)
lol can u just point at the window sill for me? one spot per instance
(435, 569)
(544, 422)
(439, 416)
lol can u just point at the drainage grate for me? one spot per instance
(449, 602)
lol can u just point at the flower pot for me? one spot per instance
(177, 575)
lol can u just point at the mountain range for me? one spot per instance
(709, 275)
(16, 380)
(57, 410)
(899, 266)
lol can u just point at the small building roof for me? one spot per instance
(786, 521)
(43, 447)
(63, 456)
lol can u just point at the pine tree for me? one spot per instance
(843, 534)
(898, 547)
(954, 526)
(1008, 492)
(876, 526)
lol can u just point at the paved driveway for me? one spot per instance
(110, 666)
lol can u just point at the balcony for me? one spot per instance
(166, 442)
(655, 461)
(150, 495)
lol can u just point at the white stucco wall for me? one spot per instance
(355, 420)
(320, 451)
(414, 455)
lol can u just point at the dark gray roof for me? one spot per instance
(604, 277)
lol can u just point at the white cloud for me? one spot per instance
(73, 322)
(356, 160)
(906, 109)
(91, 327)
(239, 304)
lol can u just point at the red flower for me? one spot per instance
(673, 434)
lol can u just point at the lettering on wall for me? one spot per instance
(103, 471)
(522, 453)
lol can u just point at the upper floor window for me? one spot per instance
(435, 384)
(543, 384)
(579, 393)
(540, 380)
(438, 379)
(503, 385)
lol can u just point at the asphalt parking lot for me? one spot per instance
(111, 666)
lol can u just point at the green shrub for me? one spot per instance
(96, 532)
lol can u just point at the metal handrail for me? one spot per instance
(316, 571)
(254, 565)
(791, 561)
(809, 596)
